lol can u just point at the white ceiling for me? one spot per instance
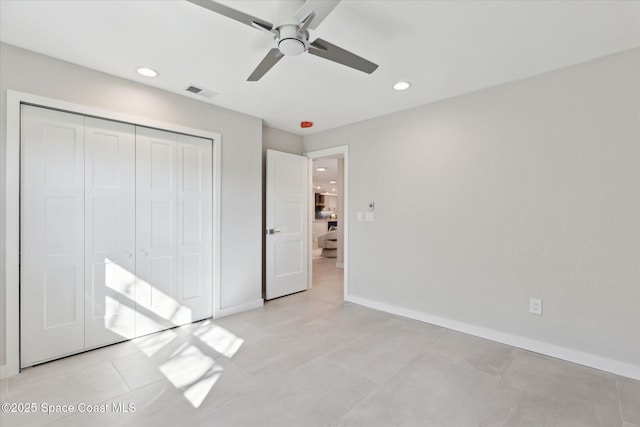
(445, 48)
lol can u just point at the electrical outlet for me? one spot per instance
(535, 306)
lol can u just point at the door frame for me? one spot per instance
(344, 151)
(11, 226)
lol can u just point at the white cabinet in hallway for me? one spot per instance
(116, 232)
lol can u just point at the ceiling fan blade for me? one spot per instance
(272, 58)
(326, 50)
(234, 14)
(305, 23)
(322, 8)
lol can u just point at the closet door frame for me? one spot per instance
(11, 184)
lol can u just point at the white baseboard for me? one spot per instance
(587, 359)
(6, 371)
(239, 308)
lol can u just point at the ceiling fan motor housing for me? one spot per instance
(290, 43)
(292, 35)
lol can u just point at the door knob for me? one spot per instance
(272, 231)
(145, 253)
(128, 254)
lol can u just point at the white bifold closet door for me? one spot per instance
(173, 229)
(52, 234)
(109, 225)
(116, 235)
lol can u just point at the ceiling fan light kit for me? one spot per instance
(290, 44)
(293, 39)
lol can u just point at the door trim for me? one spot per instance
(11, 226)
(344, 150)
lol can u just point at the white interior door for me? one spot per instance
(173, 230)
(52, 234)
(156, 234)
(109, 232)
(116, 232)
(287, 221)
(195, 213)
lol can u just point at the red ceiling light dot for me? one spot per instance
(305, 125)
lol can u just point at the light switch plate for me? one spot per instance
(360, 216)
(369, 217)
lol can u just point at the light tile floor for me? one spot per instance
(310, 359)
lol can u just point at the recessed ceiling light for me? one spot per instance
(332, 182)
(147, 72)
(402, 85)
(333, 189)
(321, 169)
(318, 187)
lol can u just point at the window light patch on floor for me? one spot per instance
(193, 372)
(187, 368)
(151, 344)
(219, 339)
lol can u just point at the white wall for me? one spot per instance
(528, 189)
(241, 201)
(280, 140)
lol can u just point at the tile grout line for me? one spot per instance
(121, 377)
(367, 396)
(503, 377)
(100, 402)
(375, 388)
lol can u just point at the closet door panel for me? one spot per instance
(116, 232)
(109, 232)
(156, 235)
(52, 234)
(194, 286)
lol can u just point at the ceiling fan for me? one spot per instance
(293, 39)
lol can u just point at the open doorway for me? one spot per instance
(328, 260)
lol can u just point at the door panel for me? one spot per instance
(60, 296)
(287, 258)
(61, 219)
(116, 232)
(156, 193)
(191, 222)
(195, 210)
(109, 232)
(163, 152)
(287, 216)
(162, 224)
(104, 216)
(191, 276)
(52, 233)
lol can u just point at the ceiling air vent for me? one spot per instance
(206, 93)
